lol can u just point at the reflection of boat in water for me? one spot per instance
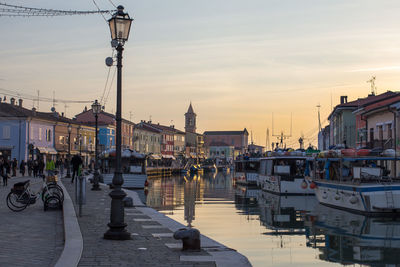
(349, 238)
(246, 192)
(284, 175)
(284, 214)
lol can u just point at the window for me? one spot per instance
(31, 132)
(6, 132)
(48, 136)
(389, 128)
(40, 134)
(61, 140)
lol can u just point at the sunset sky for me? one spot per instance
(236, 61)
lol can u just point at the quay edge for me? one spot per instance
(222, 255)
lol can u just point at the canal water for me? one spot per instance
(275, 231)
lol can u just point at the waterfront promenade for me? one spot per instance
(38, 236)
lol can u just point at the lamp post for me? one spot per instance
(69, 151)
(120, 24)
(79, 140)
(96, 108)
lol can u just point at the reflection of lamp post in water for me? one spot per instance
(190, 194)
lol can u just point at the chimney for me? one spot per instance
(12, 101)
(62, 114)
(85, 109)
(343, 99)
(20, 102)
(34, 111)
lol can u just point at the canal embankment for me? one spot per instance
(152, 242)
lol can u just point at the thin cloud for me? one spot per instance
(377, 69)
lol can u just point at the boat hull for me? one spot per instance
(246, 178)
(276, 185)
(372, 199)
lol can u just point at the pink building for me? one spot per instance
(238, 139)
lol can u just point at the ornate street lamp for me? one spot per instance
(96, 108)
(120, 25)
(69, 128)
(79, 139)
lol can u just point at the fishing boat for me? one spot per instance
(353, 239)
(133, 168)
(361, 184)
(285, 175)
(208, 165)
(246, 171)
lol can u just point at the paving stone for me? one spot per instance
(31, 237)
(100, 252)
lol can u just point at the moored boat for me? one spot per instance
(361, 184)
(285, 175)
(246, 171)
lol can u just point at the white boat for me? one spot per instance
(284, 175)
(365, 184)
(133, 166)
(246, 171)
(350, 238)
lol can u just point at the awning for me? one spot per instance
(168, 156)
(154, 156)
(47, 150)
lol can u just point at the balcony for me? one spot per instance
(384, 144)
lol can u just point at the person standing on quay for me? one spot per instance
(30, 167)
(76, 162)
(22, 167)
(14, 167)
(41, 166)
(35, 168)
(50, 167)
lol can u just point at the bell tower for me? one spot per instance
(190, 120)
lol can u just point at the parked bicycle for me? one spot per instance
(22, 195)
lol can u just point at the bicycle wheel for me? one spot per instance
(17, 202)
(51, 190)
(52, 202)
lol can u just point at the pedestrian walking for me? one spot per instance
(76, 162)
(22, 168)
(41, 166)
(50, 167)
(61, 167)
(29, 165)
(14, 165)
(66, 165)
(35, 168)
(5, 172)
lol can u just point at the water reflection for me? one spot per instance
(348, 238)
(285, 215)
(274, 230)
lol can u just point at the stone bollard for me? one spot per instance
(190, 238)
(128, 202)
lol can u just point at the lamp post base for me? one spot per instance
(117, 223)
(117, 233)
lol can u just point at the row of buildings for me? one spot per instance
(29, 133)
(370, 122)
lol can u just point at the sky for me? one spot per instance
(240, 63)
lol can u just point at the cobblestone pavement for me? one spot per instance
(146, 247)
(31, 237)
